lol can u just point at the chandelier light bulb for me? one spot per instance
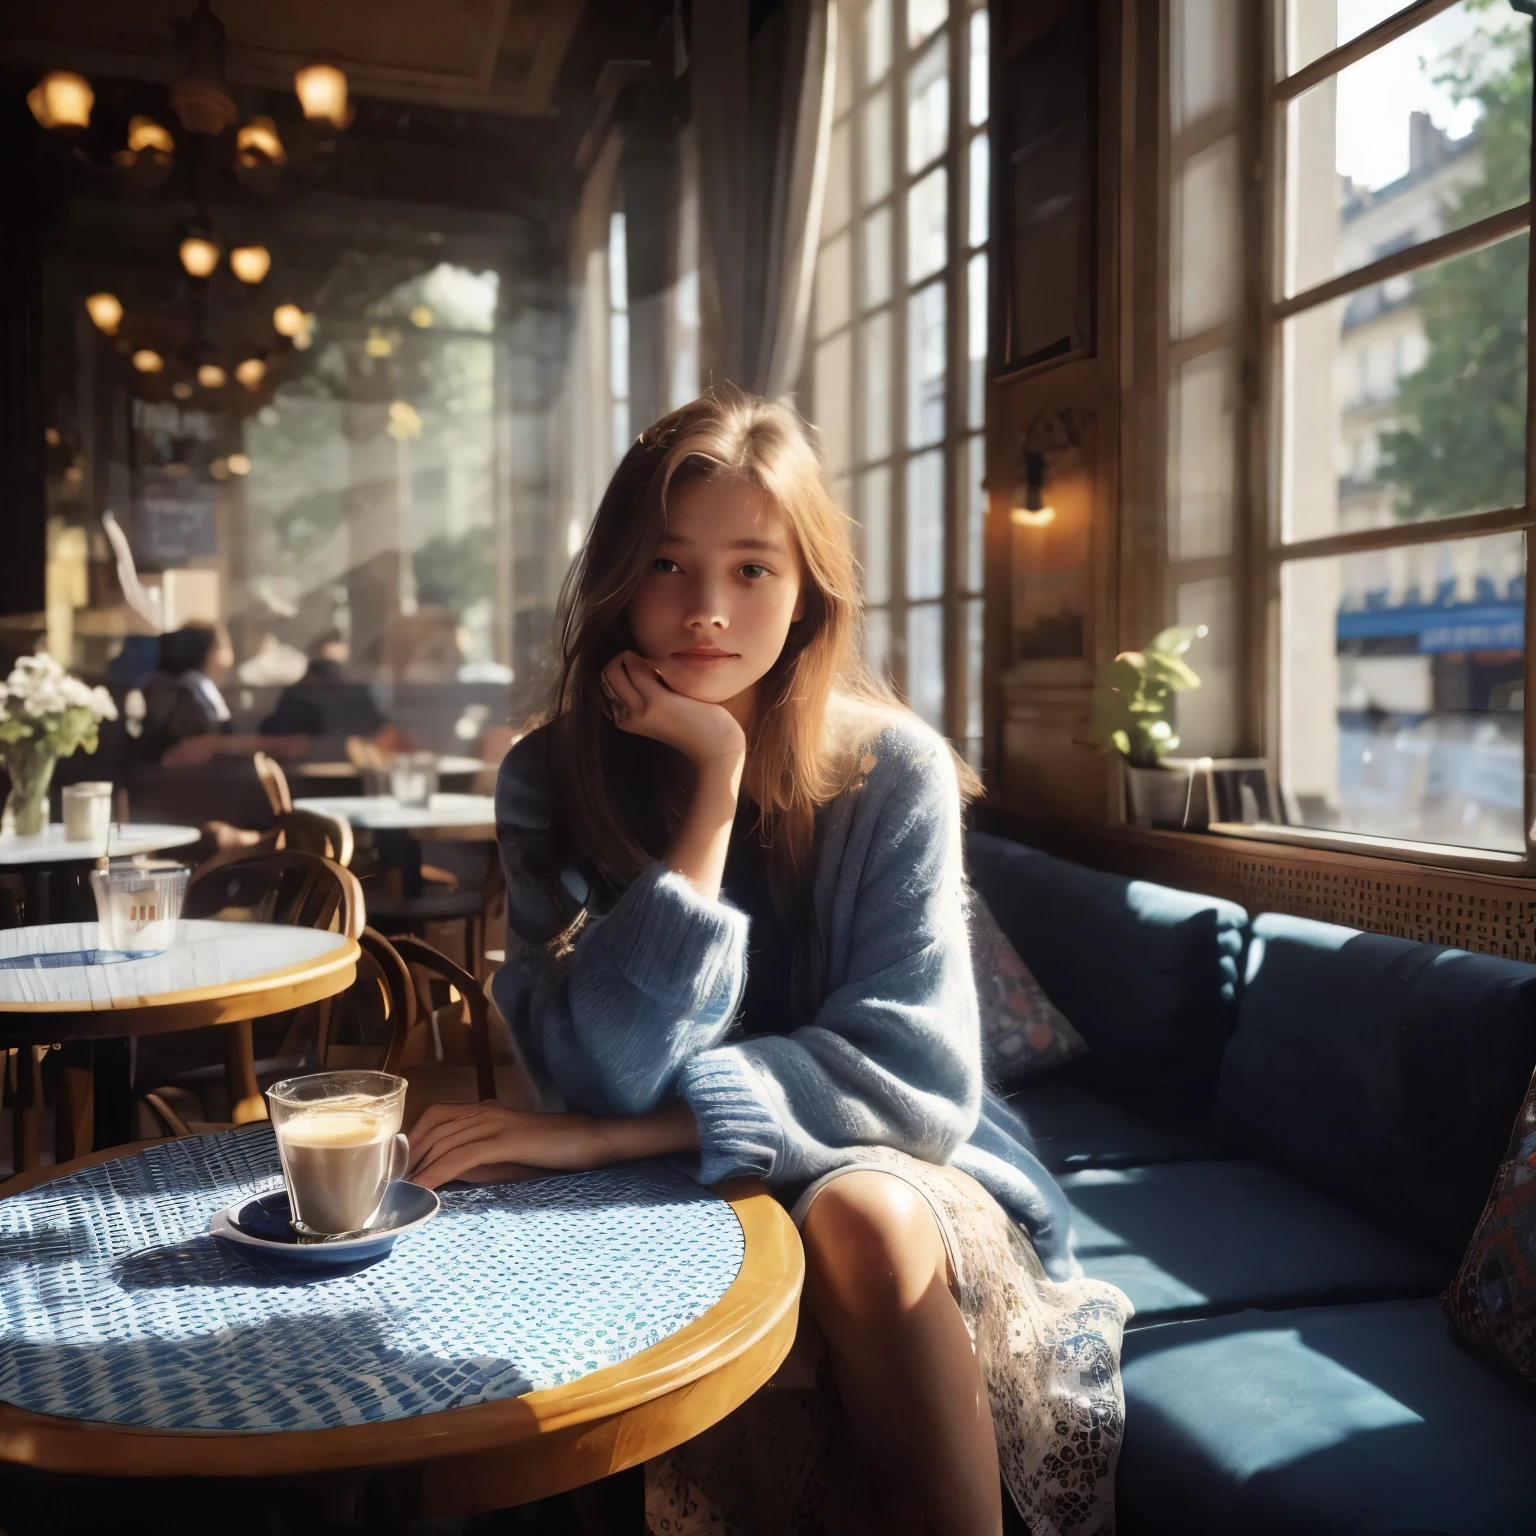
(211, 376)
(106, 312)
(322, 92)
(422, 316)
(145, 133)
(62, 100)
(199, 255)
(250, 263)
(238, 464)
(258, 142)
(181, 389)
(251, 372)
(147, 361)
(288, 319)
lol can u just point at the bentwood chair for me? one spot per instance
(274, 781)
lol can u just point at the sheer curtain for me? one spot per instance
(762, 112)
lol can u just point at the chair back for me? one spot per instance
(274, 781)
(370, 1024)
(310, 832)
(452, 1018)
(284, 885)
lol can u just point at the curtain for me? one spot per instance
(762, 111)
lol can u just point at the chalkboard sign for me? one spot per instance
(175, 517)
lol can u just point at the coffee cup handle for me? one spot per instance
(399, 1157)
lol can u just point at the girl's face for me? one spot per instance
(724, 584)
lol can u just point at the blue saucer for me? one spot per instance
(264, 1225)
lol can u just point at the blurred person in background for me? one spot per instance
(326, 701)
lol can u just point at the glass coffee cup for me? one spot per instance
(338, 1134)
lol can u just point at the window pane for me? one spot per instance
(975, 658)
(925, 525)
(622, 436)
(923, 16)
(877, 642)
(1203, 62)
(981, 190)
(979, 76)
(877, 259)
(1316, 27)
(925, 663)
(834, 284)
(1426, 134)
(1205, 278)
(1404, 691)
(1202, 464)
(875, 384)
(976, 342)
(839, 199)
(927, 225)
(877, 40)
(925, 366)
(877, 147)
(976, 514)
(875, 514)
(1418, 387)
(928, 106)
(618, 356)
(833, 404)
(618, 265)
(1206, 717)
(847, 16)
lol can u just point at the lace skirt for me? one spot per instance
(787, 1462)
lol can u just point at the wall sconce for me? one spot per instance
(250, 263)
(1050, 436)
(251, 372)
(322, 91)
(211, 376)
(288, 319)
(106, 312)
(258, 144)
(1029, 508)
(200, 250)
(144, 133)
(61, 101)
(147, 361)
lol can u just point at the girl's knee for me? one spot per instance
(872, 1247)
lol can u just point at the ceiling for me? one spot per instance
(500, 56)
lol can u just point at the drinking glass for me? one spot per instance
(413, 778)
(138, 904)
(87, 811)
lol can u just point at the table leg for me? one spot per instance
(74, 1103)
(25, 1073)
(245, 1098)
(112, 1096)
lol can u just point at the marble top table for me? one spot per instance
(447, 766)
(532, 1338)
(129, 838)
(448, 817)
(217, 973)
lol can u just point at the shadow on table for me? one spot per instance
(205, 1261)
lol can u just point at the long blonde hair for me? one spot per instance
(817, 703)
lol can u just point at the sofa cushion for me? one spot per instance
(1198, 1239)
(1076, 1129)
(1386, 1070)
(1147, 975)
(1367, 1419)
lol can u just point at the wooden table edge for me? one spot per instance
(741, 1340)
(306, 981)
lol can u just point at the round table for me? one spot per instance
(631, 1290)
(446, 818)
(127, 839)
(454, 773)
(217, 973)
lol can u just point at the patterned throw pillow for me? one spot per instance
(1022, 1032)
(1492, 1301)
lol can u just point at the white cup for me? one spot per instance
(87, 811)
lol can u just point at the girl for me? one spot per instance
(735, 868)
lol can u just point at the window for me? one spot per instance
(618, 333)
(898, 376)
(1384, 350)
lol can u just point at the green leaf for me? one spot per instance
(1174, 641)
(1172, 674)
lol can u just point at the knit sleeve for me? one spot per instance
(650, 983)
(892, 1057)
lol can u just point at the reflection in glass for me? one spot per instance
(1202, 469)
(925, 663)
(1430, 132)
(877, 147)
(1206, 270)
(975, 514)
(1203, 63)
(875, 378)
(1207, 717)
(975, 656)
(877, 641)
(979, 80)
(976, 341)
(925, 525)
(834, 284)
(924, 17)
(981, 190)
(877, 40)
(928, 106)
(925, 366)
(1418, 384)
(877, 259)
(875, 515)
(839, 200)
(834, 402)
(927, 225)
(1404, 692)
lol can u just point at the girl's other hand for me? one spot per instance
(484, 1142)
(641, 702)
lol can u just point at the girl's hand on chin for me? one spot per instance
(639, 701)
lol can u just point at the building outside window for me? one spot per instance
(898, 372)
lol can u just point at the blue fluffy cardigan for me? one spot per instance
(641, 1009)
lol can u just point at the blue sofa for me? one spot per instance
(1279, 1147)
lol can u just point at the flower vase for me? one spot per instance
(31, 772)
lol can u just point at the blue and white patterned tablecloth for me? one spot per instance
(116, 1305)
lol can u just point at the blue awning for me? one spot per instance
(1445, 627)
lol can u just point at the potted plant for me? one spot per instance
(45, 714)
(1132, 704)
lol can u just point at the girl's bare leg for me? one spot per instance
(877, 1285)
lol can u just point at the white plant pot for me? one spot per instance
(1167, 797)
